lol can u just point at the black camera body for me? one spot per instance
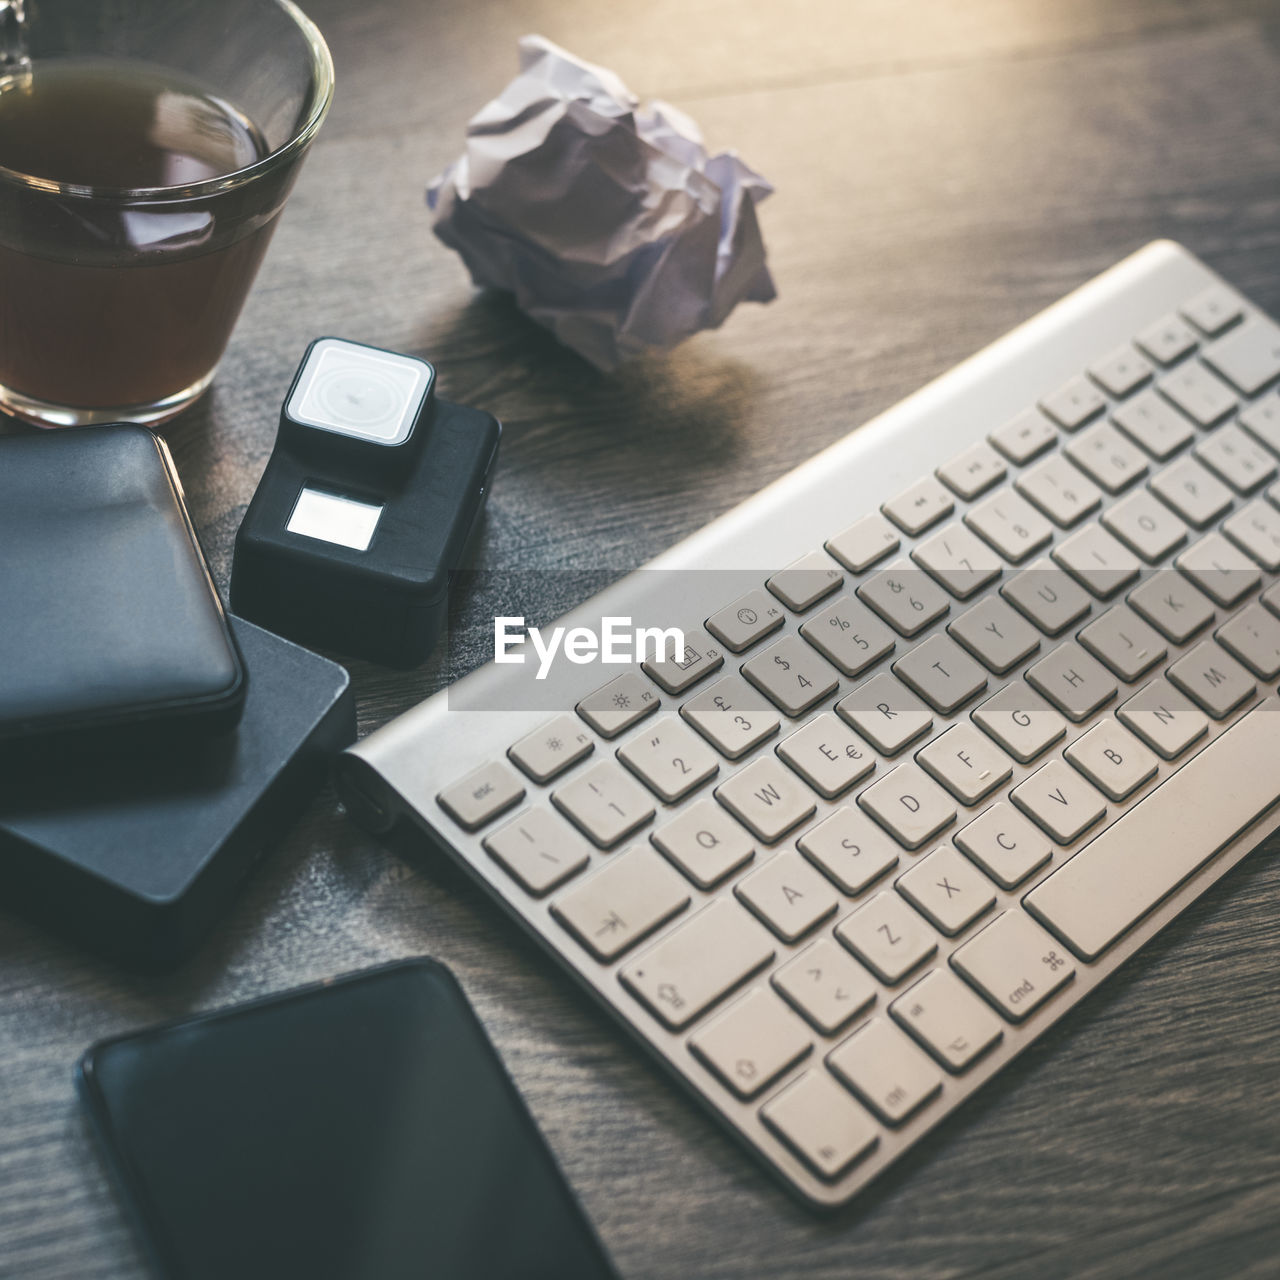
(365, 507)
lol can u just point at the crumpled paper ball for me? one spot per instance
(610, 224)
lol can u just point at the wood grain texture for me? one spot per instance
(943, 170)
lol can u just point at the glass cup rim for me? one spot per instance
(322, 80)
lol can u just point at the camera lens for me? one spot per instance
(361, 398)
(359, 391)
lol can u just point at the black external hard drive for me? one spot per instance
(111, 631)
(134, 854)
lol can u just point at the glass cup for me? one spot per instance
(116, 302)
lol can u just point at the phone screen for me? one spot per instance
(362, 1129)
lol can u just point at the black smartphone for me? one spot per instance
(358, 1129)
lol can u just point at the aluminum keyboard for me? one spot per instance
(930, 766)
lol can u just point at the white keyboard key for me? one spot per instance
(1074, 403)
(1010, 524)
(864, 542)
(482, 795)
(1112, 759)
(604, 804)
(888, 937)
(732, 715)
(1214, 310)
(1198, 496)
(1015, 964)
(1005, 845)
(1021, 721)
(825, 1127)
(1235, 458)
(1172, 605)
(995, 634)
(1213, 678)
(1046, 595)
(827, 755)
(752, 1042)
(768, 798)
(1064, 493)
(705, 843)
(886, 1071)
(1256, 529)
(923, 504)
(1262, 421)
(827, 985)
(1145, 525)
(948, 1019)
(788, 895)
(1155, 424)
(1060, 800)
(851, 849)
(539, 850)
(802, 584)
(670, 759)
(687, 970)
(886, 713)
(627, 899)
(909, 804)
(848, 634)
(749, 618)
(941, 673)
(1107, 457)
(552, 749)
(625, 701)
(1025, 437)
(1100, 561)
(791, 675)
(1219, 569)
(905, 597)
(1097, 896)
(1200, 394)
(1248, 357)
(699, 658)
(1124, 642)
(966, 762)
(1253, 635)
(973, 472)
(959, 560)
(1270, 597)
(1121, 372)
(1074, 682)
(948, 889)
(1168, 340)
(1163, 718)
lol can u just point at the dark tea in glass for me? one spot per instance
(138, 195)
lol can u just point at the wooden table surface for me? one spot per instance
(943, 171)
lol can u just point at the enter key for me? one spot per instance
(1015, 964)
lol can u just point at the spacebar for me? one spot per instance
(1122, 874)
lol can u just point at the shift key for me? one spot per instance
(693, 966)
